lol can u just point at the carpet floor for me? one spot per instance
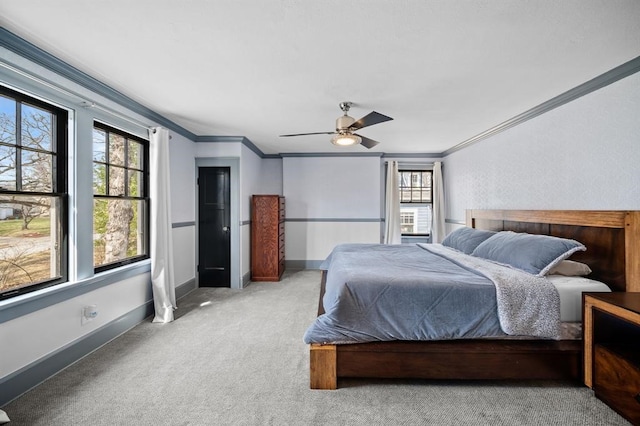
(236, 357)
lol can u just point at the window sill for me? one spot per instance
(416, 238)
(27, 303)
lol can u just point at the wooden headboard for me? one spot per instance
(612, 237)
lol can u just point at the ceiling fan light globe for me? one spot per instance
(346, 140)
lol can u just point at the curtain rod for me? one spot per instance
(42, 81)
(116, 114)
(83, 100)
(409, 163)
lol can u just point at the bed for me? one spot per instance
(612, 241)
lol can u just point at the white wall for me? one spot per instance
(582, 155)
(271, 176)
(182, 152)
(218, 150)
(330, 200)
(183, 205)
(38, 334)
(257, 176)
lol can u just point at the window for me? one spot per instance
(33, 185)
(415, 202)
(408, 221)
(120, 198)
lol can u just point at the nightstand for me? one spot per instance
(611, 327)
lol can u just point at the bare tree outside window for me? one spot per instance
(120, 206)
(32, 185)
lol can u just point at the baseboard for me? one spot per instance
(246, 279)
(299, 265)
(21, 381)
(185, 288)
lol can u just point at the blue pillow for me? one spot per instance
(466, 239)
(535, 254)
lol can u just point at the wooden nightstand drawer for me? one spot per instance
(617, 382)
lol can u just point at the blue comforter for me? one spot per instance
(380, 292)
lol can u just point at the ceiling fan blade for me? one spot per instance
(367, 143)
(369, 120)
(306, 134)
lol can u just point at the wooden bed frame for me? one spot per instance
(612, 239)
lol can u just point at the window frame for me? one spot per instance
(144, 190)
(415, 203)
(59, 182)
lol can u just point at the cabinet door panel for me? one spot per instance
(617, 382)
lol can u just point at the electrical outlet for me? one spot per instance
(89, 312)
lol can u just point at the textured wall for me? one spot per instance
(582, 155)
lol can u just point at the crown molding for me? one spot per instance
(609, 77)
(331, 154)
(29, 51)
(412, 155)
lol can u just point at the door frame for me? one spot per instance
(234, 187)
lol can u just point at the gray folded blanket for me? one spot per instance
(527, 305)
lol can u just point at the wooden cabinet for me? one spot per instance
(612, 350)
(267, 237)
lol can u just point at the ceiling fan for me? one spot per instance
(346, 125)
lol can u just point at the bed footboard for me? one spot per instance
(447, 360)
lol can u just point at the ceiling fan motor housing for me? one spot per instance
(343, 123)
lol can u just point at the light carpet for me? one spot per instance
(236, 357)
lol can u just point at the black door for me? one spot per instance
(214, 244)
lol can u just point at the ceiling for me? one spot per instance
(445, 70)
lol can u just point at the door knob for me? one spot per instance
(225, 228)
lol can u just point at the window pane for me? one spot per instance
(415, 179)
(29, 241)
(7, 120)
(426, 179)
(119, 224)
(36, 171)
(37, 128)
(116, 149)
(7, 168)
(135, 155)
(426, 196)
(31, 233)
(407, 221)
(135, 183)
(99, 144)
(405, 196)
(405, 179)
(116, 181)
(99, 179)
(118, 230)
(415, 195)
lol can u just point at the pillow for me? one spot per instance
(570, 268)
(535, 254)
(466, 239)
